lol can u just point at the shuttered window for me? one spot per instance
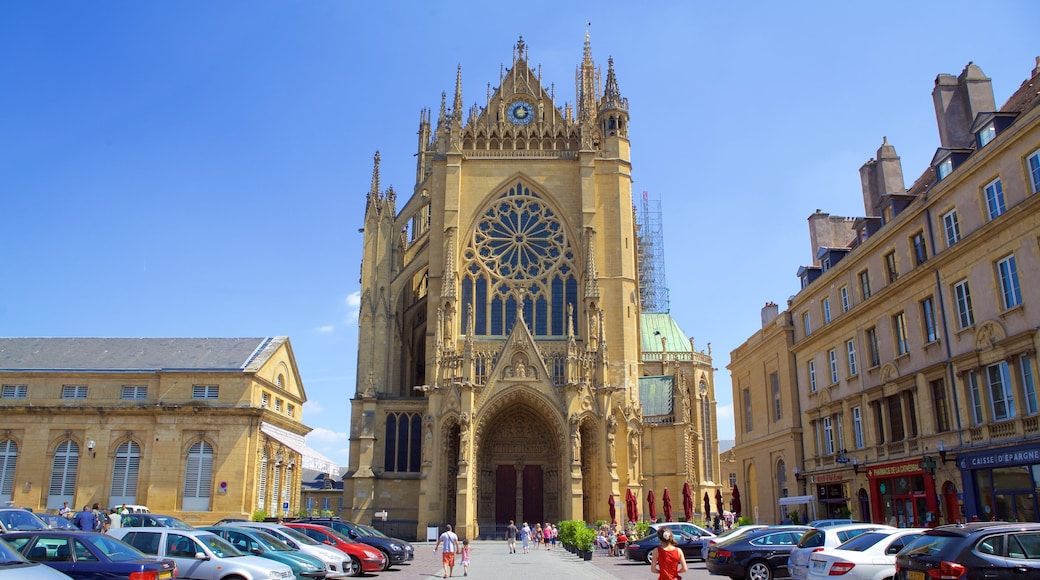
(64, 468)
(8, 462)
(125, 469)
(198, 477)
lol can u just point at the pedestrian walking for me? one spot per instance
(465, 557)
(85, 520)
(525, 538)
(451, 547)
(667, 561)
(511, 532)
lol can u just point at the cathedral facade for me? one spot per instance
(499, 330)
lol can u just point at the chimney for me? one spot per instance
(880, 177)
(769, 313)
(958, 101)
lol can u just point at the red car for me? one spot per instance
(372, 559)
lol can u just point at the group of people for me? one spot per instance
(538, 537)
(612, 539)
(94, 519)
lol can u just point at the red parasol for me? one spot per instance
(667, 501)
(707, 506)
(718, 501)
(687, 501)
(736, 501)
(613, 509)
(651, 503)
(630, 505)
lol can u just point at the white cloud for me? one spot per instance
(353, 307)
(313, 407)
(325, 328)
(724, 412)
(321, 435)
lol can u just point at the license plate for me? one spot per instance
(165, 574)
(818, 565)
(914, 575)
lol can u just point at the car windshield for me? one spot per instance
(270, 542)
(339, 536)
(18, 519)
(115, 550)
(926, 545)
(9, 556)
(863, 541)
(295, 535)
(811, 539)
(369, 531)
(172, 522)
(218, 546)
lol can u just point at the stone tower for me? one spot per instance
(499, 327)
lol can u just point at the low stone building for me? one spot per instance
(197, 428)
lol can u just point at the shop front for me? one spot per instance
(902, 495)
(1002, 484)
(831, 494)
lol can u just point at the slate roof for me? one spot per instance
(1028, 94)
(135, 354)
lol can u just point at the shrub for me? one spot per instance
(744, 521)
(584, 539)
(642, 529)
(259, 515)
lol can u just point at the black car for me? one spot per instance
(89, 555)
(644, 548)
(758, 555)
(396, 551)
(991, 550)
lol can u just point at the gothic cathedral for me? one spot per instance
(499, 331)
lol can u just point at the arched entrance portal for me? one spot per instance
(520, 462)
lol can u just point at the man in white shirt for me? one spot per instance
(451, 547)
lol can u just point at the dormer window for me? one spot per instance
(987, 134)
(945, 168)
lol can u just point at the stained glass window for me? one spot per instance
(519, 250)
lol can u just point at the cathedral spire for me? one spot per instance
(373, 193)
(611, 91)
(443, 117)
(456, 106)
(586, 79)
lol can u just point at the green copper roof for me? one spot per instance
(653, 326)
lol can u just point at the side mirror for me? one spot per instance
(257, 551)
(201, 556)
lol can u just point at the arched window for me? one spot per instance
(403, 452)
(707, 447)
(125, 469)
(198, 477)
(8, 462)
(276, 481)
(261, 491)
(781, 477)
(519, 243)
(63, 475)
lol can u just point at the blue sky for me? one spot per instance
(199, 168)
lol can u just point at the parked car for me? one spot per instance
(396, 551)
(260, 543)
(147, 520)
(15, 566)
(818, 539)
(757, 555)
(130, 508)
(642, 550)
(202, 555)
(831, 522)
(703, 535)
(868, 556)
(727, 535)
(368, 558)
(995, 550)
(15, 519)
(229, 521)
(56, 522)
(89, 555)
(337, 564)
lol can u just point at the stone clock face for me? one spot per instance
(520, 113)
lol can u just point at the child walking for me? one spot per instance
(465, 557)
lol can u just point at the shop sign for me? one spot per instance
(830, 478)
(1001, 458)
(895, 469)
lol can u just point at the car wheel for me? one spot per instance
(386, 564)
(759, 570)
(354, 567)
(650, 556)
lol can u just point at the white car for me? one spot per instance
(868, 556)
(818, 539)
(337, 564)
(202, 555)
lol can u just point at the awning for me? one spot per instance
(311, 458)
(797, 500)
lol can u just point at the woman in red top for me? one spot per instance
(668, 561)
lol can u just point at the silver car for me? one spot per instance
(337, 564)
(14, 566)
(202, 555)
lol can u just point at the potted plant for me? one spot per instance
(583, 541)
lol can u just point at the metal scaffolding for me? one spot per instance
(653, 290)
